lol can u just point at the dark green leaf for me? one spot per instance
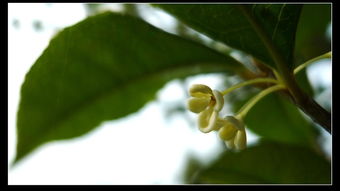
(275, 118)
(103, 68)
(228, 24)
(303, 81)
(311, 39)
(268, 163)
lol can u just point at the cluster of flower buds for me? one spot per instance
(208, 103)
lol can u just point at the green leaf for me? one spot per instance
(311, 39)
(303, 82)
(268, 163)
(228, 24)
(103, 68)
(275, 118)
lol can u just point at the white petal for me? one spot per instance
(204, 116)
(219, 100)
(200, 90)
(240, 140)
(197, 105)
(212, 125)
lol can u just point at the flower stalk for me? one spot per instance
(249, 82)
(244, 110)
(302, 66)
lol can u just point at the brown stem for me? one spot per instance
(317, 113)
(308, 105)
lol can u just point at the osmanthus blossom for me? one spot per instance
(208, 103)
(233, 133)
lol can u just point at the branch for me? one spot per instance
(301, 99)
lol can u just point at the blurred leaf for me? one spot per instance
(311, 39)
(228, 24)
(193, 164)
(276, 119)
(268, 163)
(103, 68)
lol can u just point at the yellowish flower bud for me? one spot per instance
(200, 90)
(227, 132)
(235, 121)
(230, 143)
(240, 140)
(233, 133)
(197, 105)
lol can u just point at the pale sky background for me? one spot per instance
(118, 152)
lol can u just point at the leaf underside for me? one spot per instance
(228, 24)
(103, 68)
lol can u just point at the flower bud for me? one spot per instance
(240, 140)
(227, 132)
(197, 105)
(235, 121)
(230, 144)
(199, 90)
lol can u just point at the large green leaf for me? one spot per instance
(268, 163)
(103, 68)
(227, 23)
(311, 38)
(277, 119)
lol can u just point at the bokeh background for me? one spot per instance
(151, 146)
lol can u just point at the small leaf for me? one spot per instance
(228, 24)
(103, 68)
(267, 163)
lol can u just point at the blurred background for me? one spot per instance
(159, 144)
